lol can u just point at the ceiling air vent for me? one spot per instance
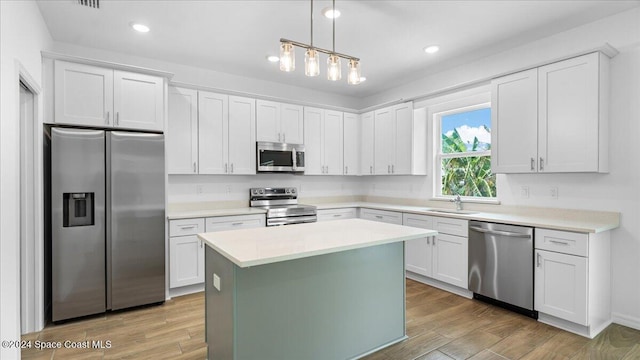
(90, 3)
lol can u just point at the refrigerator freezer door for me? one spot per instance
(78, 222)
(135, 242)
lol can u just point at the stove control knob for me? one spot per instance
(288, 191)
(254, 192)
(261, 191)
(293, 190)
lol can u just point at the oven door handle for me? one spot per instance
(289, 221)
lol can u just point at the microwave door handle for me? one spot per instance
(293, 154)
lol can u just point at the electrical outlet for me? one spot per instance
(553, 192)
(198, 189)
(524, 192)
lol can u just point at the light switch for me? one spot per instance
(216, 282)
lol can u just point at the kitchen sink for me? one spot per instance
(452, 211)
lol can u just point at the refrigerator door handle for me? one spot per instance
(108, 217)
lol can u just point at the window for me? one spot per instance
(463, 152)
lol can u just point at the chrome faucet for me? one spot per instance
(458, 202)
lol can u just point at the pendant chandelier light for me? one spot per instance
(312, 57)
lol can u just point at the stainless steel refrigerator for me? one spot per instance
(107, 220)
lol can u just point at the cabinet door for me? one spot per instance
(403, 139)
(367, 145)
(83, 94)
(138, 101)
(242, 135)
(419, 252)
(450, 259)
(514, 123)
(313, 122)
(351, 144)
(268, 121)
(186, 263)
(213, 115)
(182, 134)
(568, 110)
(332, 142)
(561, 286)
(384, 129)
(292, 124)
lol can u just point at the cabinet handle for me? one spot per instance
(388, 169)
(370, 169)
(194, 167)
(183, 227)
(346, 170)
(225, 168)
(108, 116)
(284, 137)
(541, 163)
(538, 260)
(378, 216)
(393, 170)
(232, 168)
(434, 241)
(200, 243)
(118, 118)
(336, 215)
(559, 242)
(237, 224)
(428, 243)
(533, 164)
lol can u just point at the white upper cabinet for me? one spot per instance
(213, 115)
(400, 141)
(351, 140)
(226, 136)
(278, 122)
(182, 132)
(323, 138)
(552, 118)
(83, 94)
(94, 96)
(242, 136)
(367, 148)
(138, 101)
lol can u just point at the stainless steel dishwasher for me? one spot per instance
(501, 265)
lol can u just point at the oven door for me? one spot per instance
(278, 157)
(279, 221)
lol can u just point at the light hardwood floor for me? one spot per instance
(440, 325)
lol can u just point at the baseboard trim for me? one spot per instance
(626, 320)
(185, 290)
(439, 284)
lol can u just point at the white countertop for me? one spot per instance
(259, 246)
(556, 219)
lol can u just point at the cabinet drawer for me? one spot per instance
(337, 214)
(390, 217)
(184, 227)
(419, 221)
(451, 226)
(565, 242)
(222, 223)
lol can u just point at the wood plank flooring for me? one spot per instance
(440, 326)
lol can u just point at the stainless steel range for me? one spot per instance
(282, 206)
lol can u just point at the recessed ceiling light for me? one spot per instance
(432, 49)
(363, 79)
(140, 27)
(273, 58)
(329, 13)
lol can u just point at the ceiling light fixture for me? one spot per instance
(140, 27)
(312, 59)
(432, 49)
(331, 13)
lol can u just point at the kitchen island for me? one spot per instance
(309, 291)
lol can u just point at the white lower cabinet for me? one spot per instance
(573, 280)
(443, 257)
(337, 214)
(186, 251)
(391, 217)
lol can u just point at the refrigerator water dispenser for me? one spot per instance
(78, 209)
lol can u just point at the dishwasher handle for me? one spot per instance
(501, 233)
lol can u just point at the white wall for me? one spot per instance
(23, 34)
(617, 191)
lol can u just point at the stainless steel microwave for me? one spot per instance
(279, 157)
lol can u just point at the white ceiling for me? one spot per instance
(388, 36)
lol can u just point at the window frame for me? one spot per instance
(463, 105)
